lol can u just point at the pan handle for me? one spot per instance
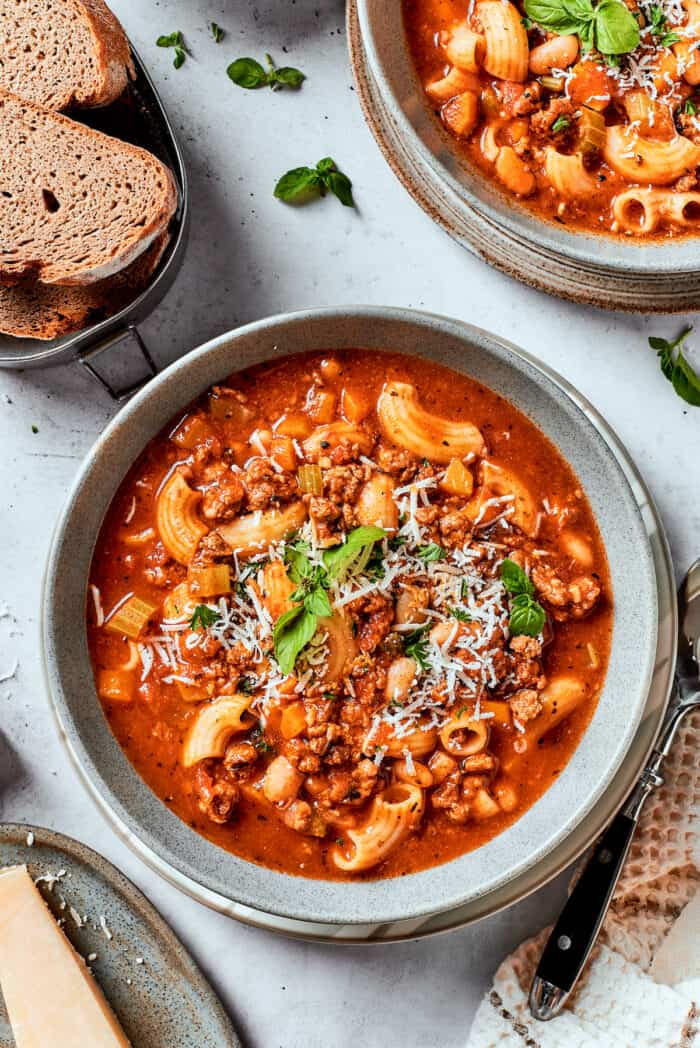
(125, 340)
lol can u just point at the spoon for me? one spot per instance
(576, 930)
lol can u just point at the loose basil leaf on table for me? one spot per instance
(677, 368)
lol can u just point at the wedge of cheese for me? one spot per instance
(50, 996)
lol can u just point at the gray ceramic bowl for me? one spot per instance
(624, 273)
(170, 844)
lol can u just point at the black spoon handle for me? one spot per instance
(576, 931)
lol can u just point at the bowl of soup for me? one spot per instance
(570, 169)
(351, 616)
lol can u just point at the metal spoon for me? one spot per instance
(576, 931)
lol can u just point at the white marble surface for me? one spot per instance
(250, 256)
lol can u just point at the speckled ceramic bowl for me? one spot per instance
(169, 844)
(607, 271)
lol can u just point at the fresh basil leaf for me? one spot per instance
(171, 40)
(677, 368)
(685, 381)
(291, 633)
(561, 124)
(298, 185)
(527, 617)
(690, 108)
(357, 546)
(460, 614)
(616, 29)
(317, 603)
(551, 14)
(287, 76)
(179, 58)
(217, 32)
(526, 23)
(300, 567)
(246, 72)
(431, 553)
(326, 165)
(203, 617)
(341, 187)
(514, 579)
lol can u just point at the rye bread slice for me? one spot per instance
(76, 206)
(63, 52)
(45, 311)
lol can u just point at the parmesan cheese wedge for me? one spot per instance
(50, 996)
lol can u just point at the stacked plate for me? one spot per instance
(650, 276)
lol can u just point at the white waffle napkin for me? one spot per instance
(642, 986)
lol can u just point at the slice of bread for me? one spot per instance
(45, 311)
(76, 206)
(63, 52)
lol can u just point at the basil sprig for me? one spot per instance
(677, 369)
(296, 627)
(609, 26)
(177, 41)
(249, 73)
(527, 616)
(305, 183)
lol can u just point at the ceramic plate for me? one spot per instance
(161, 1000)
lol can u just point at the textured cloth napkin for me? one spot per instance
(641, 988)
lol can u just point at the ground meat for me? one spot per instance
(398, 462)
(689, 182)
(521, 99)
(572, 600)
(525, 705)
(300, 756)
(222, 499)
(322, 737)
(483, 763)
(211, 550)
(541, 122)
(161, 569)
(341, 455)
(448, 798)
(239, 756)
(455, 528)
(265, 487)
(374, 615)
(427, 515)
(342, 483)
(298, 816)
(530, 647)
(216, 799)
(323, 510)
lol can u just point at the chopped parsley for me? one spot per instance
(416, 646)
(432, 552)
(203, 617)
(562, 123)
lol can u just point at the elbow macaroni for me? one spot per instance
(393, 815)
(429, 436)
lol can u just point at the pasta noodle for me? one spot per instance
(393, 815)
(426, 435)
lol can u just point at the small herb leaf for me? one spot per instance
(217, 32)
(179, 58)
(416, 647)
(515, 580)
(561, 124)
(203, 617)
(676, 367)
(287, 76)
(527, 616)
(431, 552)
(298, 185)
(171, 40)
(248, 73)
(292, 632)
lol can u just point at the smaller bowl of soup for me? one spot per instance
(358, 640)
(558, 163)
